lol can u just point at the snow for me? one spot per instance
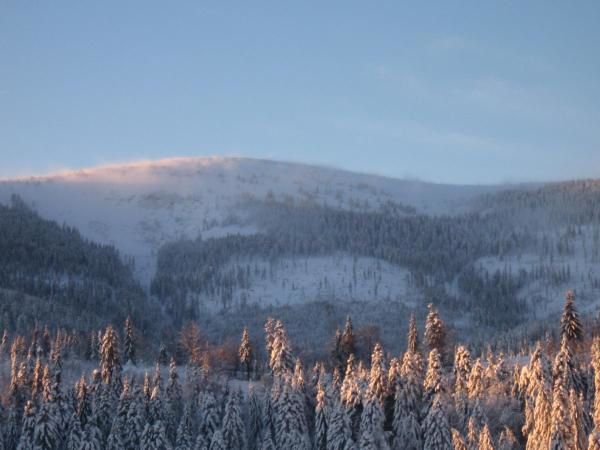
(544, 296)
(290, 281)
(139, 206)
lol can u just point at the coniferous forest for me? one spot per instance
(62, 391)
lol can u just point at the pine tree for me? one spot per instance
(209, 415)
(233, 426)
(184, 439)
(413, 335)
(28, 427)
(217, 442)
(245, 353)
(110, 363)
(129, 343)
(174, 400)
(320, 420)
(458, 442)
(339, 433)
(406, 428)
(281, 360)
(350, 396)
(432, 385)
(254, 419)
(436, 430)
(462, 371)
(348, 345)
(84, 408)
(377, 377)
(372, 436)
(507, 440)
(435, 330)
(46, 435)
(136, 420)
(485, 439)
(570, 326)
(154, 437)
(561, 425)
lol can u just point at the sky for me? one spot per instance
(459, 92)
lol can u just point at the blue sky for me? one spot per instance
(460, 92)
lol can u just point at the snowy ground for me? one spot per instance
(546, 297)
(339, 277)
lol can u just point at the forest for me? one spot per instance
(60, 391)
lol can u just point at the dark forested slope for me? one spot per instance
(50, 274)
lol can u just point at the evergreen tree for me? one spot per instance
(339, 433)
(485, 439)
(507, 440)
(26, 439)
(348, 345)
(184, 439)
(110, 363)
(233, 426)
(432, 385)
(561, 425)
(570, 326)
(217, 442)
(377, 377)
(435, 330)
(280, 361)
(372, 436)
(436, 430)
(320, 420)
(130, 357)
(458, 442)
(209, 415)
(413, 335)
(245, 353)
(46, 435)
(154, 437)
(254, 419)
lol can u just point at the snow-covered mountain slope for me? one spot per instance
(139, 206)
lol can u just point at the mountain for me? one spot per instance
(230, 241)
(140, 206)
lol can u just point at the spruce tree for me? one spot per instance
(130, 357)
(485, 439)
(46, 435)
(570, 326)
(458, 442)
(245, 353)
(377, 377)
(413, 335)
(110, 362)
(320, 420)
(436, 430)
(233, 427)
(348, 345)
(435, 330)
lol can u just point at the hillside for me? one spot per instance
(140, 206)
(228, 241)
(50, 274)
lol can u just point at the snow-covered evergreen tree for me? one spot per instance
(435, 330)
(320, 420)
(372, 435)
(233, 427)
(130, 350)
(436, 429)
(154, 437)
(110, 361)
(245, 352)
(570, 325)
(378, 375)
